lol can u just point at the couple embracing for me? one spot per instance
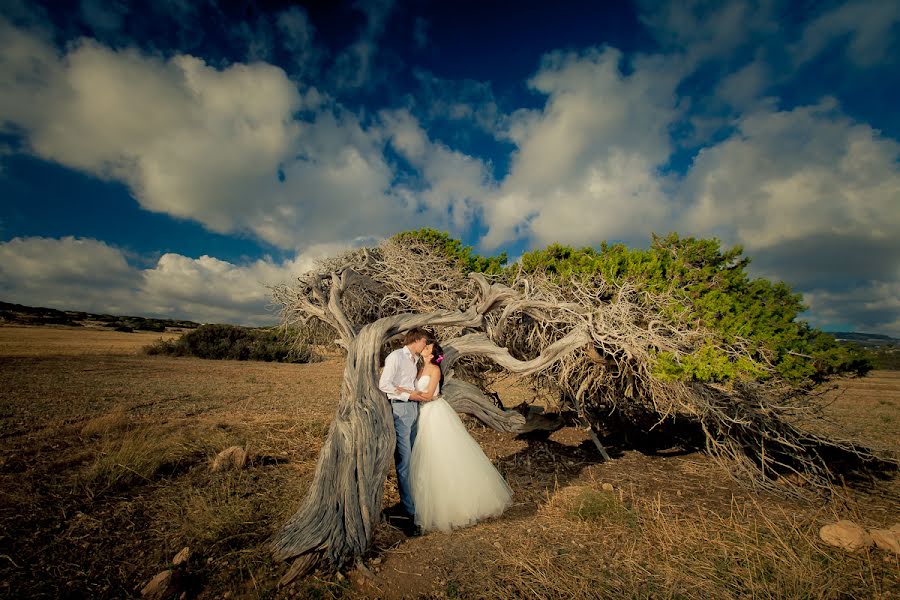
(445, 479)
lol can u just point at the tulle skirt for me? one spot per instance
(453, 483)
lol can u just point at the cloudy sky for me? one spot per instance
(171, 158)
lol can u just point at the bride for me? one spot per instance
(453, 484)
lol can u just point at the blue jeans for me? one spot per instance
(406, 415)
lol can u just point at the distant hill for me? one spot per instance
(17, 314)
(869, 340)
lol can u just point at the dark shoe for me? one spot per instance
(412, 531)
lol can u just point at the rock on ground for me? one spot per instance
(234, 457)
(161, 586)
(182, 557)
(887, 539)
(847, 535)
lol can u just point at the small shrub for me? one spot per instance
(142, 454)
(596, 505)
(124, 328)
(231, 342)
(135, 458)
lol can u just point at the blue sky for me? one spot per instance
(173, 159)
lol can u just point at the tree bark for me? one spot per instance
(468, 399)
(337, 519)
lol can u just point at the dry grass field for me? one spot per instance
(104, 477)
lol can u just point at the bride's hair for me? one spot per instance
(437, 353)
(437, 357)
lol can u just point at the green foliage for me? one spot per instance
(455, 251)
(230, 342)
(886, 357)
(717, 293)
(605, 507)
(706, 364)
(713, 290)
(135, 324)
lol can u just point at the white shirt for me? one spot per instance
(399, 371)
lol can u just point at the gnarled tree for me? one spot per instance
(593, 345)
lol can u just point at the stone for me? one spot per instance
(845, 534)
(182, 557)
(234, 457)
(886, 539)
(607, 487)
(161, 586)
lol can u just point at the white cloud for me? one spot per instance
(813, 197)
(103, 17)
(743, 89)
(586, 165)
(788, 175)
(867, 26)
(221, 147)
(420, 32)
(451, 186)
(61, 272)
(86, 274)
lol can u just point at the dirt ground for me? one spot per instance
(104, 477)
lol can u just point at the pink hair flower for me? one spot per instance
(438, 360)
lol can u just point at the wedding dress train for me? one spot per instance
(453, 483)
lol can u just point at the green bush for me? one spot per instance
(713, 290)
(231, 342)
(455, 251)
(886, 357)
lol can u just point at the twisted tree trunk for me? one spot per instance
(337, 519)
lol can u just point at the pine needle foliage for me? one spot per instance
(715, 291)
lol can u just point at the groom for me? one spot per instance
(399, 373)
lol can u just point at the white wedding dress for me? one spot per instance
(453, 483)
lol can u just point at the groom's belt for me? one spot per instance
(397, 401)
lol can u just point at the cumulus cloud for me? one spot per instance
(789, 175)
(103, 17)
(59, 272)
(90, 275)
(744, 88)
(451, 186)
(586, 166)
(809, 192)
(812, 196)
(219, 146)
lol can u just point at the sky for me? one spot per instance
(173, 158)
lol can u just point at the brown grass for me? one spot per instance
(73, 341)
(114, 421)
(104, 476)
